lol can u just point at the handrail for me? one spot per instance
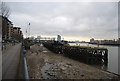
(25, 70)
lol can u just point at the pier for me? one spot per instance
(85, 54)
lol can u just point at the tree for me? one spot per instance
(4, 10)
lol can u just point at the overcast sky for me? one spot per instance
(73, 21)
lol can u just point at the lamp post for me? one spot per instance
(26, 33)
(29, 29)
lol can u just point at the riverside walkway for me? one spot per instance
(10, 62)
(44, 64)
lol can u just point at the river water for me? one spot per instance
(113, 56)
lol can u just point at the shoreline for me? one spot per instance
(97, 43)
(60, 67)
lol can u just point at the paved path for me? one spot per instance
(10, 61)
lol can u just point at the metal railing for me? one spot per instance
(25, 70)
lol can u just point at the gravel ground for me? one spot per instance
(43, 64)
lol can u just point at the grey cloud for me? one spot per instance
(97, 19)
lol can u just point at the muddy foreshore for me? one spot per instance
(43, 64)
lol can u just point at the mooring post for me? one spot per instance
(106, 57)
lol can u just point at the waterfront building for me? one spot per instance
(10, 33)
(6, 29)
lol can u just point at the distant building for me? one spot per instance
(17, 34)
(59, 38)
(105, 41)
(38, 38)
(53, 38)
(92, 40)
(21, 35)
(32, 38)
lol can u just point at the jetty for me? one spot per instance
(88, 55)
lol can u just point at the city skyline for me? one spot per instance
(73, 21)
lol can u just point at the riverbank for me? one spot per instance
(43, 64)
(105, 44)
